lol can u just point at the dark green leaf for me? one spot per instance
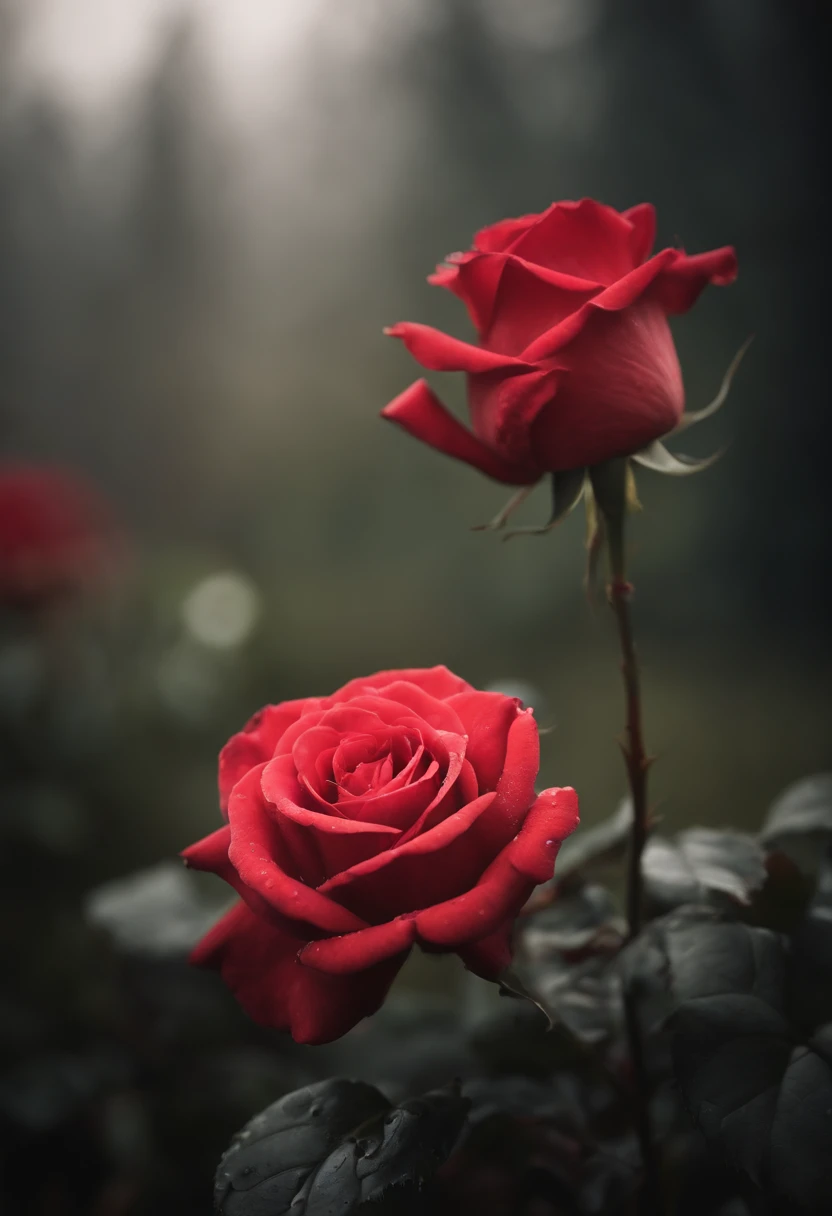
(801, 1132)
(711, 959)
(801, 816)
(810, 962)
(749, 1084)
(563, 959)
(332, 1146)
(702, 863)
(558, 1097)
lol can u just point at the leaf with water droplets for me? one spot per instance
(334, 1146)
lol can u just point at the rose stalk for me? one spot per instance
(573, 374)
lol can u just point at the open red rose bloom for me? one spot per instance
(400, 811)
(575, 363)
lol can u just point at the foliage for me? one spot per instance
(737, 1019)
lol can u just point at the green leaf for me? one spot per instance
(563, 960)
(657, 457)
(803, 810)
(701, 863)
(810, 962)
(748, 1082)
(567, 491)
(691, 419)
(333, 1146)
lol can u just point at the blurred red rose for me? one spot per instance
(575, 362)
(400, 811)
(55, 534)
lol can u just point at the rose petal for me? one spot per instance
(431, 709)
(399, 808)
(402, 880)
(490, 956)
(311, 746)
(211, 855)
(626, 362)
(681, 284)
(439, 681)
(256, 853)
(642, 219)
(420, 412)
(357, 951)
(497, 237)
(515, 789)
(528, 300)
(354, 752)
(486, 719)
(260, 965)
(620, 295)
(293, 733)
(374, 711)
(441, 353)
(453, 795)
(257, 741)
(586, 238)
(333, 842)
(524, 863)
(505, 417)
(477, 289)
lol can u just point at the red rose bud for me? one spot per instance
(575, 363)
(56, 535)
(400, 811)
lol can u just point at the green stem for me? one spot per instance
(635, 757)
(612, 503)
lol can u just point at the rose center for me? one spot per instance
(369, 776)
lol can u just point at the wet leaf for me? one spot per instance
(563, 959)
(803, 810)
(333, 1146)
(748, 1082)
(700, 863)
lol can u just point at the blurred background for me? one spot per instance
(208, 212)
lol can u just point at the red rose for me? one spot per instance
(55, 534)
(575, 362)
(399, 811)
